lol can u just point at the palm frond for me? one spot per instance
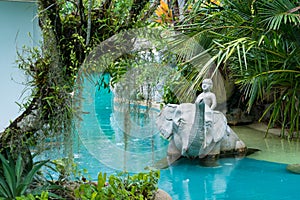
(258, 41)
(278, 12)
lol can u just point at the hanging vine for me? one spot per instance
(70, 30)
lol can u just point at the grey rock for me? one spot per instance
(162, 195)
(294, 168)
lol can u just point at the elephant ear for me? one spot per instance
(177, 116)
(169, 111)
(219, 126)
(164, 120)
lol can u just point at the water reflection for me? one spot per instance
(190, 180)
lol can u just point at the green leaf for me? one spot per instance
(28, 178)
(4, 189)
(8, 170)
(18, 170)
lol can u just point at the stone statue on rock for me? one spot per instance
(197, 130)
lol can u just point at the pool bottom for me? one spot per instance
(272, 149)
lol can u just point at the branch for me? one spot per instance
(89, 26)
(81, 12)
(51, 10)
(18, 129)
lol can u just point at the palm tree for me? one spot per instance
(258, 42)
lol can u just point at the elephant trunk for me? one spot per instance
(197, 135)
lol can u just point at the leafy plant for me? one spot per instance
(256, 42)
(43, 196)
(14, 177)
(122, 186)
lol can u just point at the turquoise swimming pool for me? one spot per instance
(106, 145)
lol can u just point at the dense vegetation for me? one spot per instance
(70, 30)
(254, 43)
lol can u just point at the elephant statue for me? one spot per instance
(195, 130)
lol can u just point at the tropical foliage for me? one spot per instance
(70, 30)
(15, 177)
(257, 43)
(121, 186)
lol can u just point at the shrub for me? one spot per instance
(122, 186)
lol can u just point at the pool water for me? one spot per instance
(108, 144)
(233, 179)
(120, 137)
